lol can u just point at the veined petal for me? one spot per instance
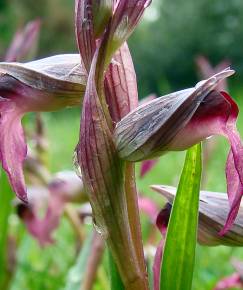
(147, 165)
(121, 85)
(180, 120)
(213, 211)
(85, 31)
(127, 14)
(60, 75)
(149, 130)
(44, 85)
(125, 17)
(13, 148)
(217, 116)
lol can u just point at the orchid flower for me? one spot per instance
(43, 85)
(206, 70)
(213, 209)
(177, 121)
(63, 188)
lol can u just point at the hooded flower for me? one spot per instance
(179, 120)
(43, 85)
(63, 188)
(213, 209)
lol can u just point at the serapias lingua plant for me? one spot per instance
(114, 132)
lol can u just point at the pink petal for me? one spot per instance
(42, 228)
(64, 187)
(163, 218)
(207, 70)
(85, 31)
(127, 14)
(130, 12)
(233, 281)
(24, 42)
(217, 116)
(162, 223)
(121, 84)
(22, 91)
(157, 265)
(146, 166)
(155, 128)
(13, 148)
(147, 206)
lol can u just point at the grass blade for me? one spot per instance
(179, 252)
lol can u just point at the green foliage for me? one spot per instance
(178, 33)
(45, 268)
(6, 196)
(76, 273)
(115, 279)
(179, 251)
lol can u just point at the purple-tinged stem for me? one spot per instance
(134, 220)
(93, 262)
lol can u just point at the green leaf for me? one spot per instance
(77, 272)
(179, 252)
(6, 197)
(115, 279)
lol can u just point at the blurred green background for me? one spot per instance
(164, 47)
